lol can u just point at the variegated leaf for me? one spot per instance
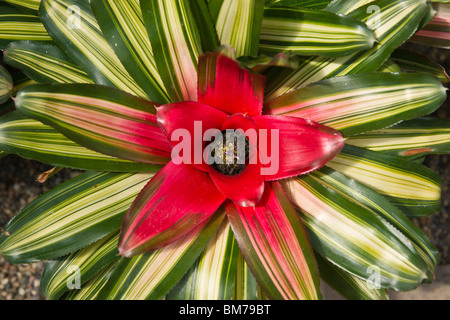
(393, 24)
(72, 25)
(310, 32)
(17, 25)
(362, 102)
(70, 216)
(275, 246)
(308, 4)
(152, 275)
(379, 205)
(238, 25)
(32, 139)
(31, 5)
(354, 238)
(245, 286)
(43, 63)
(348, 285)
(411, 139)
(437, 32)
(66, 273)
(412, 187)
(347, 6)
(100, 118)
(6, 85)
(212, 275)
(122, 24)
(176, 45)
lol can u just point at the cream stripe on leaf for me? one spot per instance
(6, 85)
(91, 289)
(176, 45)
(205, 24)
(70, 216)
(411, 186)
(362, 102)
(354, 238)
(308, 4)
(152, 275)
(31, 5)
(212, 275)
(122, 24)
(85, 264)
(411, 61)
(245, 286)
(379, 205)
(32, 139)
(396, 21)
(410, 139)
(238, 25)
(18, 25)
(44, 63)
(72, 25)
(346, 284)
(310, 32)
(346, 6)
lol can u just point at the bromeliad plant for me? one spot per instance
(106, 86)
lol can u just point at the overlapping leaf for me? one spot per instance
(18, 25)
(412, 187)
(437, 32)
(212, 275)
(238, 25)
(362, 102)
(245, 286)
(31, 5)
(70, 216)
(101, 118)
(152, 275)
(59, 274)
(72, 25)
(176, 45)
(44, 63)
(393, 24)
(354, 238)
(412, 138)
(123, 26)
(310, 32)
(32, 139)
(6, 85)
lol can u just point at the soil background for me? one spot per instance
(18, 187)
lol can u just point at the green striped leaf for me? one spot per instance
(123, 26)
(212, 275)
(245, 286)
(410, 186)
(32, 139)
(31, 5)
(411, 139)
(275, 246)
(151, 276)
(176, 45)
(73, 27)
(379, 205)
(6, 85)
(17, 25)
(65, 273)
(354, 238)
(410, 61)
(70, 216)
(238, 25)
(389, 67)
(100, 118)
(43, 63)
(437, 32)
(395, 22)
(346, 284)
(309, 4)
(205, 23)
(362, 102)
(91, 289)
(309, 32)
(347, 6)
